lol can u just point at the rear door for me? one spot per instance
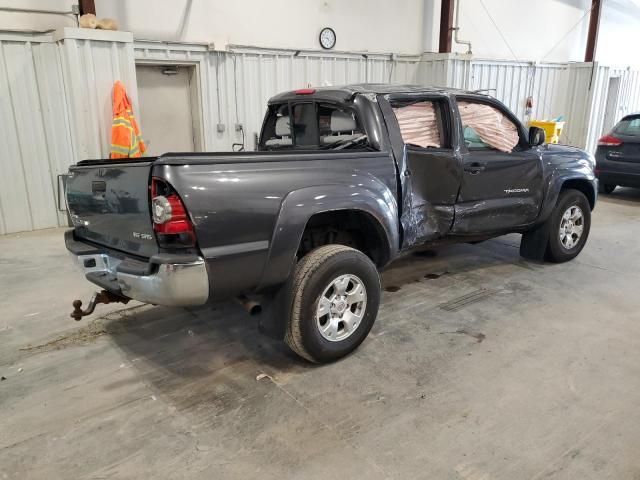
(109, 205)
(420, 130)
(502, 175)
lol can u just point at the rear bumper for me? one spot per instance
(165, 279)
(623, 179)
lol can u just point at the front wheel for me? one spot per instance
(336, 295)
(569, 227)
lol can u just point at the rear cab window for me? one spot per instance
(629, 126)
(313, 125)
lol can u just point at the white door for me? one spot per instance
(166, 112)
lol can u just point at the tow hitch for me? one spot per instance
(98, 297)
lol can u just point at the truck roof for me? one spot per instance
(342, 93)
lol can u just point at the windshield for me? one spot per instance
(313, 126)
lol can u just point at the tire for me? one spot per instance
(324, 272)
(574, 204)
(606, 188)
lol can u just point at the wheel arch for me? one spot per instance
(373, 242)
(583, 185)
(376, 207)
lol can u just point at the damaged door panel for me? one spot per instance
(430, 169)
(435, 179)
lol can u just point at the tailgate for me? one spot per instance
(629, 151)
(109, 205)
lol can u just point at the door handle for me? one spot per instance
(474, 168)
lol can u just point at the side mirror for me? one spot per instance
(536, 136)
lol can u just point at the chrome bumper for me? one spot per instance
(172, 284)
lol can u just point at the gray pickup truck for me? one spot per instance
(344, 181)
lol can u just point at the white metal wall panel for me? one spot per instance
(599, 83)
(513, 82)
(587, 95)
(91, 66)
(34, 135)
(549, 91)
(55, 107)
(578, 104)
(509, 82)
(445, 70)
(629, 99)
(236, 85)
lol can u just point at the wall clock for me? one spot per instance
(327, 38)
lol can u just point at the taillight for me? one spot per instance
(609, 141)
(170, 219)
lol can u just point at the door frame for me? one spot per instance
(195, 94)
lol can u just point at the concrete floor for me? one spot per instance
(488, 368)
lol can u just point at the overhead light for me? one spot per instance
(170, 71)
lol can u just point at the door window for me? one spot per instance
(420, 124)
(486, 127)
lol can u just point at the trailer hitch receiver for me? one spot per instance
(98, 297)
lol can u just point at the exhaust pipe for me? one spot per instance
(251, 306)
(98, 297)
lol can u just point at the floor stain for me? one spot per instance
(391, 288)
(463, 331)
(478, 336)
(88, 333)
(433, 276)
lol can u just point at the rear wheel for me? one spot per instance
(570, 223)
(336, 294)
(606, 188)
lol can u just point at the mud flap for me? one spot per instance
(276, 310)
(533, 245)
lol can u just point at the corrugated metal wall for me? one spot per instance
(629, 99)
(577, 91)
(55, 107)
(236, 85)
(92, 61)
(34, 133)
(513, 82)
(445, 70)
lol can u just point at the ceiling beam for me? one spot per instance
(594, 27)
(446, 26)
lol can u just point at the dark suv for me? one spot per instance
(618, 155)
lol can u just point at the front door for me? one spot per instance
(501, 181)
